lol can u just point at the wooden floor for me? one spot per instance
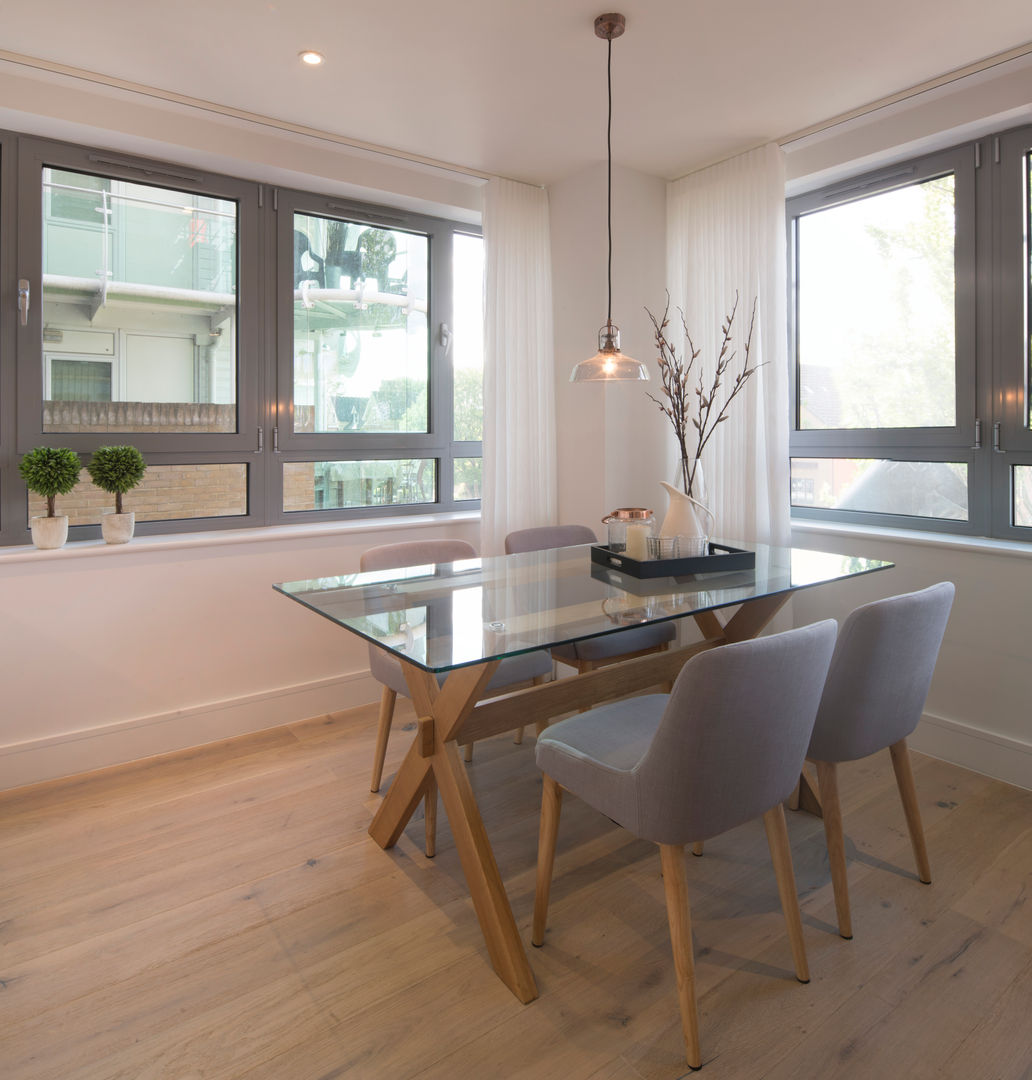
(221, 913)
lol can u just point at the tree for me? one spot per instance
(116, 470)
(469, 404)
(50, 471)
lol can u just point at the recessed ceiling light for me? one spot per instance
(311, 57)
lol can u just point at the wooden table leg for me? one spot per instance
(753, 616)
(448, 707)
(709, 624)
(485, 882)
(402, 798)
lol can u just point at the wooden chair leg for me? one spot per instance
(383, 730)
(467, 755)
(793, 799)
(827, 784)
(680, 919)
(697, 847)
(781, 856)
(908, 796)
(551, 804)
(540, 726)
(430, 816)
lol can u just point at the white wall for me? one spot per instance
(610, 437)
(969, 108)
(60, 107)
(111, 654)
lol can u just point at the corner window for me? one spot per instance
(910, 340)
(885, 357)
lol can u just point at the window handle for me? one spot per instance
(978, 435)
(261, 440)
(23, 301)
(996, 438)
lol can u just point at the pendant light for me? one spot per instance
(609, 363)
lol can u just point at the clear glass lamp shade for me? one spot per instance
(609, 364)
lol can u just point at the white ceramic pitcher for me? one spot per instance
(686, 516)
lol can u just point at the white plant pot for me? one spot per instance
(49, 532)
(118, 528)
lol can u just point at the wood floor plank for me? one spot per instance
(136, 881)
(920, 1010)
(990, 1045)
(220, 914)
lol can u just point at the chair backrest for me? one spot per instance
(734, 734)
(880, 674)
(382, 666)
(548, 536)
(416, 553)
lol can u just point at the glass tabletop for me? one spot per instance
(448, 615)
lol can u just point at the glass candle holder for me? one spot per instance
(663, 547)
(692, 547)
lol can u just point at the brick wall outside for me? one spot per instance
(299, 485)
(166, 492)
(130, 416)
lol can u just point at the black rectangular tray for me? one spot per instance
(720, 558)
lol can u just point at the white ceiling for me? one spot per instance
(518, 89)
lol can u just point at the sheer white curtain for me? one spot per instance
(519, 466)
(726, 233)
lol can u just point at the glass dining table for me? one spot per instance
(451, 624)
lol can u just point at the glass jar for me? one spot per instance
(629, 530)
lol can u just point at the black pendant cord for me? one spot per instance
(609, 180)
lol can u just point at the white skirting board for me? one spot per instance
(999, 756)
(33, 760)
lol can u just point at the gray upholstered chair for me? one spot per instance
(386, 669)
(725, 746)
(877, 684)
(591, 652)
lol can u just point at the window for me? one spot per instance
(368, 368)
(910, 340)
(276, 356)
(144, 276)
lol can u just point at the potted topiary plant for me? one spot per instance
(116, 470)
(50, 471)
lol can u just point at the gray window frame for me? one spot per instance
(956, 443)
(264, 375)
(438, 442)
(1009, 322)
(12, 490)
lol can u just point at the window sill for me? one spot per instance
(977, 544)
(85, 549)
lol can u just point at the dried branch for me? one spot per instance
(675, 372)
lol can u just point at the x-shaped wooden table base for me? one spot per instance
(449, 712)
